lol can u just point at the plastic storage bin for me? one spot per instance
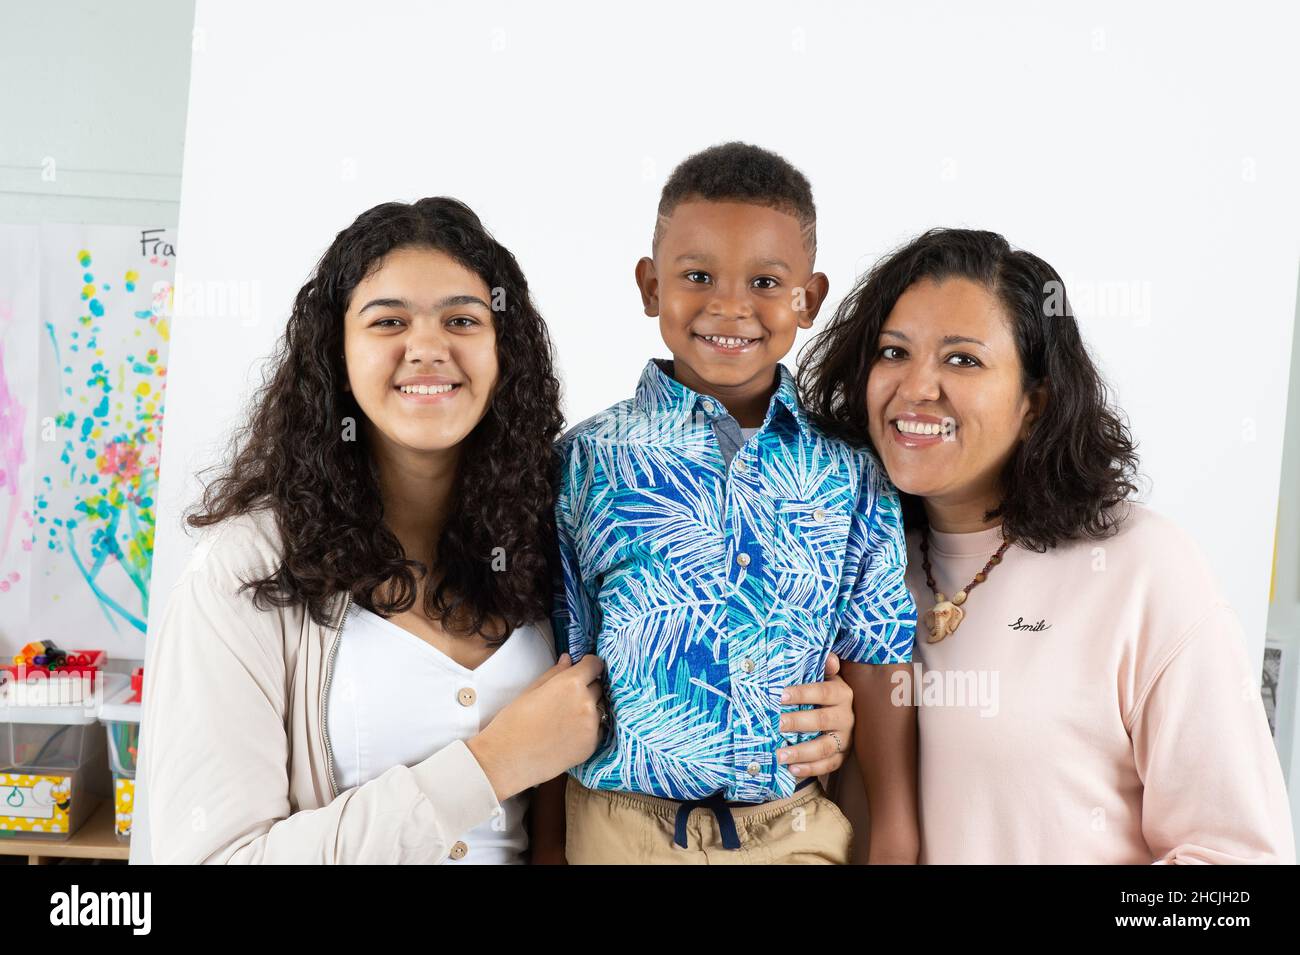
(53, 766)
(121, 716)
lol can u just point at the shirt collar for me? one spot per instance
(660, 394)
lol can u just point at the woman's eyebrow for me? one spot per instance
(962, 340)
(947, 339)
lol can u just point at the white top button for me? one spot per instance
(747, 665)
(819, 515)
(739, 465)
(742, 560)
(709, 406)
(752, 769)
(466, 696)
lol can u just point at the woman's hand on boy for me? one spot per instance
(832, 718)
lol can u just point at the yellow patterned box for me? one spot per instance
(120, 715)
(123, 805)
(53, 768)
(35, 804)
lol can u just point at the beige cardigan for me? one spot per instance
(234, 749)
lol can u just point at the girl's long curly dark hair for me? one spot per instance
(293, 457)
(1079, 459)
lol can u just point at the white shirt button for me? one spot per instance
(819, 515)
(709, 406)
(739, 465)
(742, 560)
(459, 850)
(466, 696)
(747, 665)
(752, 769)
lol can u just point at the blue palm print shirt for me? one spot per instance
(710, 572)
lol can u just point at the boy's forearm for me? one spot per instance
(885, 744)
(546, 822)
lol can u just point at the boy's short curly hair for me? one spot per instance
(739, 172)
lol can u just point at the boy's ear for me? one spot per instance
(811, 296)
(648, 282)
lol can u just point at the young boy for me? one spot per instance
(715, 546)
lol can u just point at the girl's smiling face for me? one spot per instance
(420, 348)
(946, 404)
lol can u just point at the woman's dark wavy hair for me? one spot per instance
(1079, 459)
(292, 458)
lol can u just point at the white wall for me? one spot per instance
(1136, 152)
(93, 110)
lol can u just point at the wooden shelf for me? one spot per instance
(94, 840)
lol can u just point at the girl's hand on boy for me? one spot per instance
(832, 718)
(553, 724)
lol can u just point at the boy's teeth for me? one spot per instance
(921, 427)
(727, 341)
(426, 389)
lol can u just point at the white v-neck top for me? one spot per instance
(397, 699)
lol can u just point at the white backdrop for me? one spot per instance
(1151, 156)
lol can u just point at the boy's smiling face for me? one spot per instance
(731, 283)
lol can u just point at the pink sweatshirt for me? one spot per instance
(1096, 705)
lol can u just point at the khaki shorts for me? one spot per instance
(621, 828)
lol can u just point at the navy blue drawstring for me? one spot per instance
(721, 811)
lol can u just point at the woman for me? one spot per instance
(1083, 691)
(355, 666)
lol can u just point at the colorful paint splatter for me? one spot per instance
(95, 505)
(15, 518)
(20, 305)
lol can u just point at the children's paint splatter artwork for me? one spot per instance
(103, 330)
(19, 313)
(15, 449)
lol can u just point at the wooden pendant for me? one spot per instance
(945, 616)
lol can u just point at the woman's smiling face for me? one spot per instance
(420, 348)
(946, 405)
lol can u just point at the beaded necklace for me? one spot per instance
(946, 615)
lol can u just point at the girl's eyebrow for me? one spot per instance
(451, 301)
(454, 301)
(384, 303)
